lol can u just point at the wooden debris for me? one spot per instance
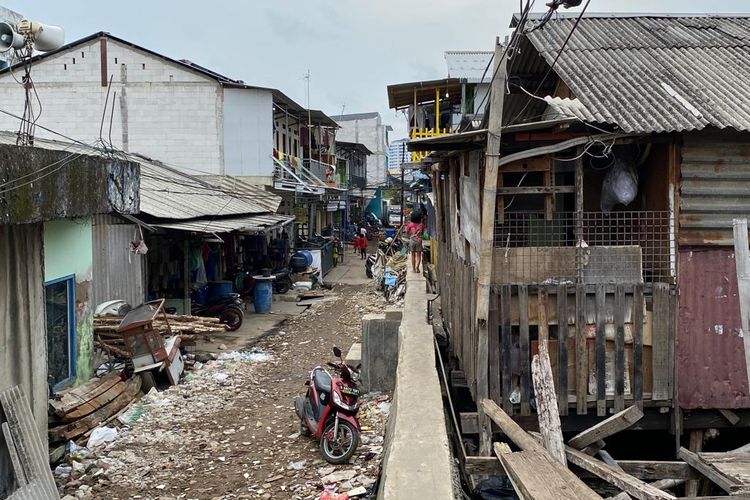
(727, 470)
(510, 428)
(648, 470)
(69, 399)
(75, 429)
(614, 424)
(96, 403)
(696, 445)
(546, 397)
(731, 416)
(536, 475)
(627, 483)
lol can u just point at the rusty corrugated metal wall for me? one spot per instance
(115, 276)
(714, 186)
(710, 352)
(23, 339)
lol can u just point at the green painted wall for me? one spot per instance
(68, 249)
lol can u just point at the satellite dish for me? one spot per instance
(10, 38)
(44, 37)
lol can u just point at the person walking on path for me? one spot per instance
(415, 232)
(362, 246)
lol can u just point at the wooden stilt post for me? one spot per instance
(486, 249)
(742, 263)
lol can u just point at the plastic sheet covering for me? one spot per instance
(23, 351)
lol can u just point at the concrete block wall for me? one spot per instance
(162, 109)
(417, 461)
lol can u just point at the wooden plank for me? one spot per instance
(542, 314)
(510, 428)
(70, 399)
(506, 340)
(601, 352)
(660, 348)
(548, 415)
(75, 429)
(30, 447)
(494, 346)
(582, 373)
(696, 445)
(722, 481)
(614, 424)
(637, 386)
(536, 476)
(607, 459)
(731, 416)
(649, 470)
(487, 241)
(15, 462)
(627, 483)
(619, 348)
(523, 307)
(562, 335)
(548, 199)
(546, 190)
(742, 266)
(94, 404)
(482, 466)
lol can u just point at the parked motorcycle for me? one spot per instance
(328, 411)
(283, 281)
(230, 309)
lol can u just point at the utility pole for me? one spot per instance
(402, 194)
(486, 250)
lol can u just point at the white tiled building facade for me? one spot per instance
(162, 108)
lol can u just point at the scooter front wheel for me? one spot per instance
(232, 318)
(342, 448)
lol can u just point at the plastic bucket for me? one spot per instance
(263, 296)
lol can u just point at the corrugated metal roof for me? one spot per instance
(246, 190)
(251, 224)
(168, 193)
(655, 74)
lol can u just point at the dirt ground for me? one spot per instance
(230, 430)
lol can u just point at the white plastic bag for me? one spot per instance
(620, 186)
(101, 435)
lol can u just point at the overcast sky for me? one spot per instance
(353, 48)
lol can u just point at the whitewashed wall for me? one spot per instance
(248, 134)
(161, 109)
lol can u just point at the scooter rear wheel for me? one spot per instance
(232, 318)
(340, 450)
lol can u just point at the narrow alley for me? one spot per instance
(230, 431)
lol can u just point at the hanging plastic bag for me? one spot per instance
(620, 186)
(137, 245)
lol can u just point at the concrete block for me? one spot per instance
(379, 352)
(393, 314)
(354, 356)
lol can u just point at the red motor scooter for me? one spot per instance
(328, 411)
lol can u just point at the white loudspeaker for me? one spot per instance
(45, 37)
(9, 38)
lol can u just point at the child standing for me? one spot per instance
(415, 231)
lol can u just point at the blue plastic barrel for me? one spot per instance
(218, 289)
(308, 257)
(263, 296)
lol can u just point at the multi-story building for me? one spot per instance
(106, 91)
(439, 107)
(367, 129)
(397, 154)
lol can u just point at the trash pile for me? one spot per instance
(157, 444)
(118, 455)
(389, 275)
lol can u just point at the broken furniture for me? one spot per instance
(148, 350)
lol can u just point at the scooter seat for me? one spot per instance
(322, 380)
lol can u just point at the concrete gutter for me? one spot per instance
(417, 462)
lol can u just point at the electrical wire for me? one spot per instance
(557, 57)
(41, 176)
(36, 172)
(512, 42)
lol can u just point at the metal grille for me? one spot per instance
(596, 247)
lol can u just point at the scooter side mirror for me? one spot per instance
(337, 352)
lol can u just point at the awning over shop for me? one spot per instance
(248, 224)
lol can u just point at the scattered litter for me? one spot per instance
(101, 435)
(221, 378)
(296, 465)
